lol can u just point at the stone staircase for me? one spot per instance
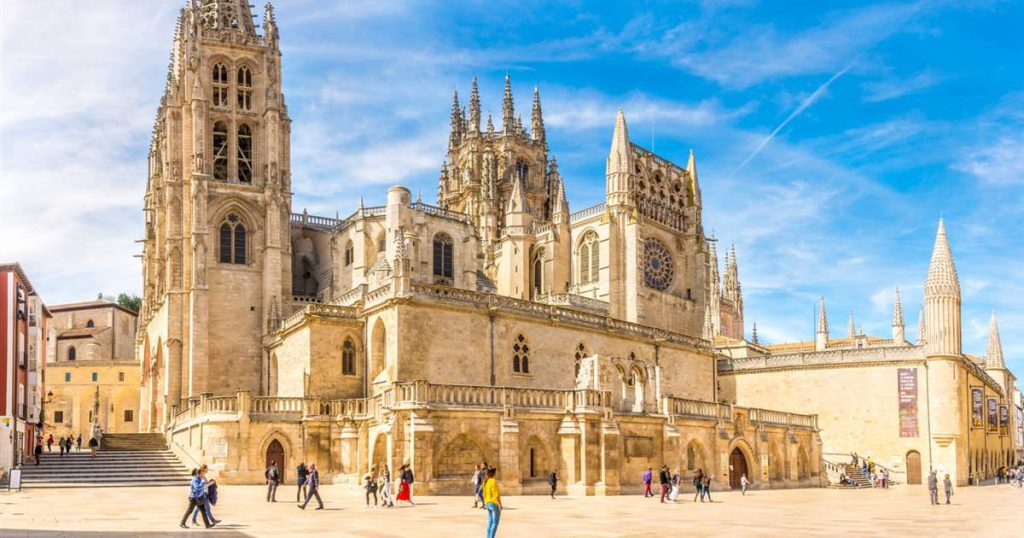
(124, 460)
(853, 472)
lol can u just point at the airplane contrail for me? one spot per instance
(803, 106)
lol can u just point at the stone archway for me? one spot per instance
(380, 452)
(737, 468)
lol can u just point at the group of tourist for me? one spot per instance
(202, 495)
(307, 480)
(65, 444)
(933, 487)
(380, 482)
(670, 484)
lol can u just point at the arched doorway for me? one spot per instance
(913, 467)
(275, 453)
(737, 467)
(380, 452)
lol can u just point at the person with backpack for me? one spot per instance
(371, 487)
(301, 473)
(273, 476)
(60, 446)
(79, 441)
(38, 452)
(93, 445)
(553, 482)
(698, 485)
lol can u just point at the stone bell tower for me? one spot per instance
(216, 267)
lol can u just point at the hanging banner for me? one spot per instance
(907, 383)
(977, 407)
(1004, 420)
(993, 418)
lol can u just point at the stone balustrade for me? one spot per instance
(686, 408)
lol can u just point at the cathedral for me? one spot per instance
(495, 324)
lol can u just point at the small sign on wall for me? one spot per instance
(220, 450)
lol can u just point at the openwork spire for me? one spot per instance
(474, 108)
(455, 136)
(753, 335)
(897, 310)
(227, 15)
(920, 327)
(537, 117)
(851, 329)
(508, 112)
(516, 200)
(994, 354)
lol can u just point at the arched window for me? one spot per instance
(581, 353)
(220, 86)
(232, 240)
(90, 324)
(349, 254)
(520, 355)
(220, 151)
(538, 274)
(72, 353)
(348, 358)
(588, 258)
(443, 270)
(244, 88)
(244, 154)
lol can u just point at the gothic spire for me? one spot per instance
(691, 169)
(898, 327)
(561, 211)
(821, 333)
(920, 327)
(851, 329)
(620, 158)
(227, 15)
(269, 24)
(508, 113)
(474, 108)
(994, 354)
(753, 335)
(537, 118)
(455, 137)
(490, 124)
(516, 200)
(942, 300)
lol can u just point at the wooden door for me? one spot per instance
(275, 453)
(913, 467)
(737, 468)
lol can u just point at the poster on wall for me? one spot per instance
(907, 383)
(993, 418)
(1004, 420)
(977, 407)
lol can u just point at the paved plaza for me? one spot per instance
(901, 511)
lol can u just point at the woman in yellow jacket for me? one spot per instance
(492, 501)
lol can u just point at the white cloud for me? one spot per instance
(884, 90)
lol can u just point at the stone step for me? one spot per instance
(153, 484)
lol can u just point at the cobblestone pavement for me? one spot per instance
(902, 511)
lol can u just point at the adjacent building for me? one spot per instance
(94, 375)
(23, 324)
(910, 406)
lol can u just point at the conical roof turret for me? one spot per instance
(942, 278)
(994, 353)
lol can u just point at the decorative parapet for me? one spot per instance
(723, 413)
(318, 310)
(587, 212)
(817, 358)
(351, 297)
(564, 313)
(574, 301)
(442, 213)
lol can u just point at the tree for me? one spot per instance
(131, 302)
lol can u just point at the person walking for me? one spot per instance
(409, 479)
(674, 493)
(706, 488)
(743, 484)
(38, 452)
(663, 480)
(196, 498)
(93, 445)
(885, 478)
(371, 487)
(947, 484)
(49, 443)
(478, 485)
(60, 446)
(273, 476)
(933, 487)
(313, 484)
(300, 478)
(208, 485)
(648, 476)
(79, 441)
(403, 486)
(492, 501)
(68, 443)
(553, 482)
(698, 485)
(384, 487)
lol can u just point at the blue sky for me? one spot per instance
(829, 136)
